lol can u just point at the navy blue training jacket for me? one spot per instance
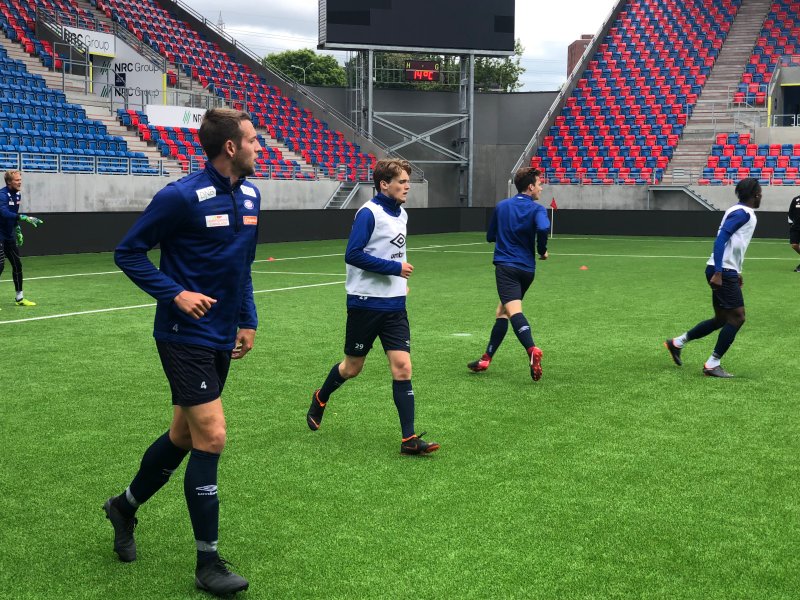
(9, 207)
(519, 228)
(208, 232)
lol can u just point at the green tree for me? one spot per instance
(307, 67)
(500, 74)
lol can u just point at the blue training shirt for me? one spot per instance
(9, 209)
(207, 229)
(519, 228)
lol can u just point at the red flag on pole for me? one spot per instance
(553, 204)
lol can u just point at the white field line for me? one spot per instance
(117, 272)
(431, 248)
(706, 256)
(135, 306)
(296, 273)
(261, 260)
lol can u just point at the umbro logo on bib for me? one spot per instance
(399, 240)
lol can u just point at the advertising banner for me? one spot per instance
(118, 71)
(174, 116)
(94, 42)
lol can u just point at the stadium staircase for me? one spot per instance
(715, 111)
(344, 193)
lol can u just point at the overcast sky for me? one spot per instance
(545, 28)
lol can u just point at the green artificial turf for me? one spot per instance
(618, 475)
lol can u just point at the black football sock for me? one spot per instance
(702, 329)
(496, 338)
(158, 463)
(403, 395)
(726, 336)
(523, 330)
(200, 488)
(332, 383)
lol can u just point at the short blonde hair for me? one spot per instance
(10, 175)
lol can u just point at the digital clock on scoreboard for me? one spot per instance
(423, 71)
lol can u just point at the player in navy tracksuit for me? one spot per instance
(207, 226)
(519, 228)
(10, 233)
(377, 270)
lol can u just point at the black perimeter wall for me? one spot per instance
(69, 233)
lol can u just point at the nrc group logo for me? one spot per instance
(399, 240)
(187, 116)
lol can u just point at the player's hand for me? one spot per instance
(244, 343)
(31, 220)
(18, 233)
(716, 280)
(406, 270)
(741, 281)
(194, 304)
(544, 256)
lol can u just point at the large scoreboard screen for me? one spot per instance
(470, 26)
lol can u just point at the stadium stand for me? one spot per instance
(52, 134)
(625, 117)
(734, 157)
(322, 150)
(779, 38)
(279, 115)
(18, 21)
(183, 144)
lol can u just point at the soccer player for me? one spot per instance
(206, 224)
(11, 233)
(519, 228)
(724, 275)
(794, 228)
(376, 301)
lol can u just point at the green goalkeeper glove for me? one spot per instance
(31, 220)
(18, 231)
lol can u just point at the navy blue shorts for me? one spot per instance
(730, 294)
(794, 235)
(363, 326)
(512, 283)
(196, 374)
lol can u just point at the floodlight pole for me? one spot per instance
(466, 94)
(303, 69)
(370, 87)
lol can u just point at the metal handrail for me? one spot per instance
(684, 176)
(46, 162)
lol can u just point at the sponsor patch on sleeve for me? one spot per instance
(248, 191)
(217, 221)
(206, 193)
(250, 220)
